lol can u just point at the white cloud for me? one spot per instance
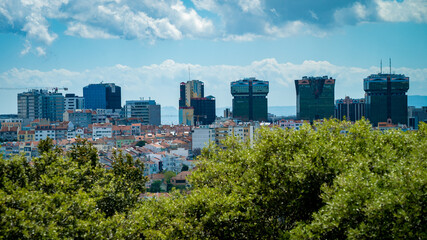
(405, 11)
(161, 81)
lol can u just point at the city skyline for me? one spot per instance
(150, 47)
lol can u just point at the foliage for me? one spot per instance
(71, 197)
(155, 186)
(184, 168)
(140, 143)
(332, 180)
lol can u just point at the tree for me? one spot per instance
(184, 168)
(155, 186)
(140, 143)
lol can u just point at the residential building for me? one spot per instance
(201, 137)
(385, 97)
(315, 98)
(73, 102)
(8, 134)
(26, 136)
(148, 110)
(79, 117)
(350, 109)
(101, 130)
(30, 104)
(250, 99)
(43, 132)
(181, 179)
(102, 96)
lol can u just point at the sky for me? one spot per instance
(148, 47)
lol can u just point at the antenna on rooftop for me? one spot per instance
(189, 78)
(381, 66)
(390, 65)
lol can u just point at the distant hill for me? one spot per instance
(417, 101)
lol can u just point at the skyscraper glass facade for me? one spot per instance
(385, 96)
(250, 99)
(194, 108)
(102, 96)
(315, 98)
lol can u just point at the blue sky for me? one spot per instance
(147, 46)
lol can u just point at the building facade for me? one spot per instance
(73, 102)
(350, 109)
(250, 99)
(53, 106)
(194, 107)
(385, 96)
(416, 115)
(102, 96)
(204, 110)
(30, 104)
(315, 98)
(148, 110)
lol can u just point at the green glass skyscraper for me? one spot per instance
(315, 98)
(385, 96)
(250, 99)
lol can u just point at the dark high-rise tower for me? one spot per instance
(250, 99)
(385, 96)
(102, 96)
(315, 98)
(194, 108)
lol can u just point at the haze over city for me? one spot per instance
(148, 47)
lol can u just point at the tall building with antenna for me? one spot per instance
(194, 107)
(385, 97)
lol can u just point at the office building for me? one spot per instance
(53, 106)
(148, 110)
(204, 110)
(315, 98)
(385, 97)
(350, 109)
(102, 96)
(73, 102)
(416, 115)
(250, 99)
(194, 107)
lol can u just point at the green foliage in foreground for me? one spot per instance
(333, 181)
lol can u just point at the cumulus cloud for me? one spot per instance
(208, 19)
(161, 81)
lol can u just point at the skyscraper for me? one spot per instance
(102, 96)
(194, 108)
(148, 110)
(315, 98)
(351, 109)
(53, 106)
(250, 99)
(386, 99)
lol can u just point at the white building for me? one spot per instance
(202, 136)
(73, 102)
(101, 130)
(44, 131)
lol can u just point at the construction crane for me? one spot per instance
(53, 89)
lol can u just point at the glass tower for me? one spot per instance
(315, 98)
(250, 99)
(385, 96)
(102, 96)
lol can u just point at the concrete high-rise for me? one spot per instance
(315, 98)
(250, 99)
(102, 96)
(386, 100)
(148, 110)
(30, 105)
(194, 108)
(350, 109)
(36, 104)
